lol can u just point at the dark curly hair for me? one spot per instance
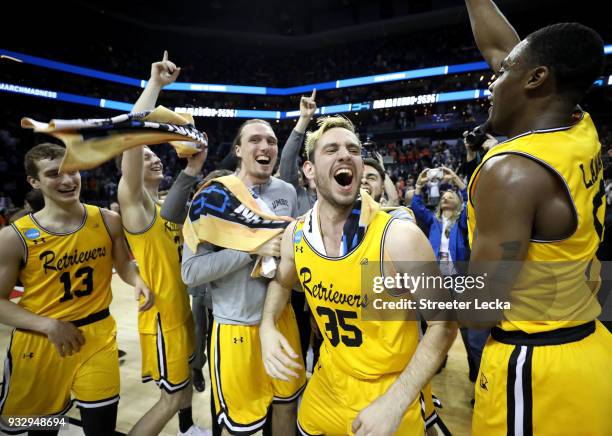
(573, 52)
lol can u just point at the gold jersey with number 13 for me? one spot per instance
(66, 276)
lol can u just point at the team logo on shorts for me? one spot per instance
(32, 233)
(298, 237)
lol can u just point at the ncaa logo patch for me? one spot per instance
(32, 233)
(298, 236)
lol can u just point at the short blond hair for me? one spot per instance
(325, 124)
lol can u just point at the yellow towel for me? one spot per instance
(89, 143)
(225, 213)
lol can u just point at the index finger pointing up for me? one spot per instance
(165, 55)
(314, 93)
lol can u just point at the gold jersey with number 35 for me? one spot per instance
(333, 287)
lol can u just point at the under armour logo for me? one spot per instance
(483, 381)
(28, 355)
(39, 241)
(365, 301)
(236, 340)
(299, 249)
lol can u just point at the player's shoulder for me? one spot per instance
(514, 173)
(404, 236)
(11, 242)
(109, 214)
(402, 228)
(111, 219)
(9, 233)
(290, 229)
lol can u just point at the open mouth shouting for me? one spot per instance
(158, 168)
(344, 178)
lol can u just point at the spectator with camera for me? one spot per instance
(447, 232)
(477, 143)
(446, 227)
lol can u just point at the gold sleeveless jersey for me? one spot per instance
(158, 251)
(66, 276)
(333, 287)
(558, 282)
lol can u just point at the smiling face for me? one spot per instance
(257, 151)
(62, 189)
(153, 167)
(337, 167)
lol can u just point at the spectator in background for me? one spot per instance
(377, 183)
(447, 226)
(447, 232)
(5, 202)
(34, 201)
(388, 194)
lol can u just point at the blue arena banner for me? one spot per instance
(393, 102)
(68, 68)
(260, 90)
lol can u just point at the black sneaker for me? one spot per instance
(197, 379)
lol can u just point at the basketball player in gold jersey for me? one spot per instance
(546, 367)
(167, 330)
(64, 343)
(370, 374)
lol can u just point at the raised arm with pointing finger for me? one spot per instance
(137, 187)
(290, 155)
(167, 330)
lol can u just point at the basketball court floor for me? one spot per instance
(451, 386)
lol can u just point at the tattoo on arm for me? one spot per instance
(510, 250)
